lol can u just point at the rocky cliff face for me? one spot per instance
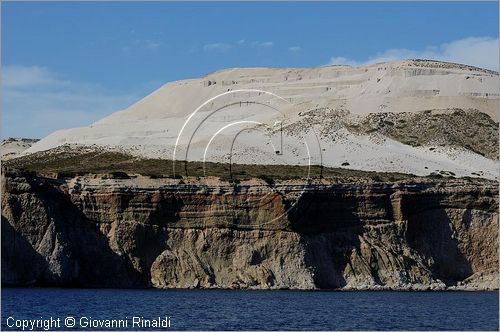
(140, 232)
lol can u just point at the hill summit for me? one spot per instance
(412, 116)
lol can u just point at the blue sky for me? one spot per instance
(77, 62)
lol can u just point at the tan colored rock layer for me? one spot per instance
(419, 235)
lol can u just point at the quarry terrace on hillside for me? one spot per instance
(415, 116)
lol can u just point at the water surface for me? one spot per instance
(262, 310)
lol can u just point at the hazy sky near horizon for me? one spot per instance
(69, 64)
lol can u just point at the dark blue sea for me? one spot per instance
(90, 309)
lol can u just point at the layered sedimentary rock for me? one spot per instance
(141, 232)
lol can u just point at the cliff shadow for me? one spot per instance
(431, 234)
(22, 265)
(330, 230)
(166, 211)
(76, 248)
